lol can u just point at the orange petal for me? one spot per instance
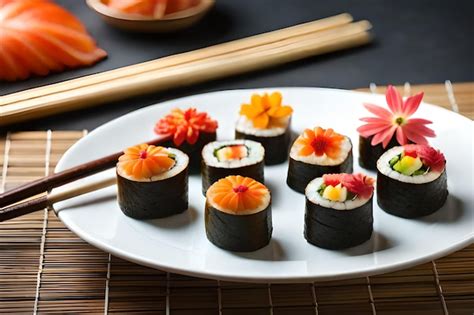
(275, 99)
(306, 150)
(308, 133)
(249, 111)
(257, 102)
(281, 111)
(261, 121)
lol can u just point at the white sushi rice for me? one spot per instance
(383, 166)
(346, 148)
(256, 153)
(244, 125)
(181, 162)
(312, 194)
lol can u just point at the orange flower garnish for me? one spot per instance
(185, 125)
(264, 110)
(145, 161)
(320, 141)
(237, 193)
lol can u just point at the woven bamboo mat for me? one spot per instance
(44, 268)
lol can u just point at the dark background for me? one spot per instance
(416, 41)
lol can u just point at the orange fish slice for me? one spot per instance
(38, 37)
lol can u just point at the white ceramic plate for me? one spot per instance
(178, 244)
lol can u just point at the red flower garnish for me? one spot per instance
(319, 141)
(358, 184)
(429, 156)
(332, 179)
(185, 125)
(387, 123)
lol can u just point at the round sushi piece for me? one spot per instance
(339, 210)
(238, 214)
(267, 121)
(317, 152)
(190, 130)
(411, 181)
(234, 157)
(152, 182)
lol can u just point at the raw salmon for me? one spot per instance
(38, 37)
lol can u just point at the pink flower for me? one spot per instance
(430, 157)
(396, 121)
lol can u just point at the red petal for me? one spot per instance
(332, 179)
(401, 137)
(378, 111)
(394, 100)
(411, 104)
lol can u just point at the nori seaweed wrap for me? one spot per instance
(411, 181)
(267, 121)
(369, 154)
(152, 182)
(339, 211)
(193, 150)
(315, 153)
(238, 215)
(234, 157)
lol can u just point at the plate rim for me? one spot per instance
(370, 271)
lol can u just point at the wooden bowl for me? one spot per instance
(136, 23)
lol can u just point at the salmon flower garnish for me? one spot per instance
(320, 141)
(145, 161)
(237, 193)
(185, 125)
(265, 110)
(396, 121)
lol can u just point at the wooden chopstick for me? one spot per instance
(280, 52)
(183, 58)
(47, 200)
(49, 182)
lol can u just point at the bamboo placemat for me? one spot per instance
(44, 268)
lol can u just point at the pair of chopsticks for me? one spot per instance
(9, 200)
(231, 58)
(252, 53)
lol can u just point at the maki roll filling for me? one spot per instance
(339, 210)
(411, 181)
(152, 181)
(267, 121)
(317, 152)
(234, 157)
(238, 214)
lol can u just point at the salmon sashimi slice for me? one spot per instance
(39, 37)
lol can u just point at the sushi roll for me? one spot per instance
(267, 121)
(411, 181)
(391, 127)
(190, 130)
(317, 152)
(152, 182)
(238, 214)
(235, 157)
(339, 210)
